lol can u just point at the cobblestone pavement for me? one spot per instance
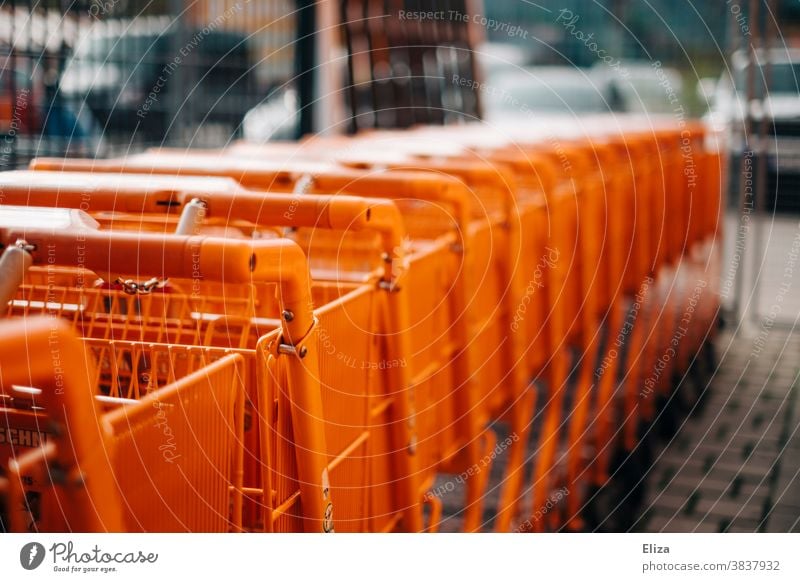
(734, 465)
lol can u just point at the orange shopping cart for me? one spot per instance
(530, 207)
(286, 349)
(586, 295)
(164, 201)
(698, 269)
(510, 203)
(599, 287)
(84, 458)
(665, 314)
(570, 305)
(438, 215)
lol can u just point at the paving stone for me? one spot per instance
(792, 447)
(787, 498)
(677, 504)
(781, 522)
(669, 524)
(719, 471)
(739, 525)
(756, 461)
(748, 452)
(767, 432)
(728, 473)
(725, 462)
(727, 490)
(722, 508)
(790, 462)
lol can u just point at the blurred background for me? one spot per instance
(130, 74)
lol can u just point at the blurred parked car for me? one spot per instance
(494, 58)
(277, 118)
(40, 121)
(779, 103)
(140, 78)
(513, 93)
(646, 88)
(21, 102)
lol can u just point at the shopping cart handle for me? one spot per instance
(198, 258)
(282, 176)
(401, 185)
(72, 164)
(226, 199)
(354, 213)
(338, 212)
(111, 193)
(475, 173)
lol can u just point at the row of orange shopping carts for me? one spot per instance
(352, 334)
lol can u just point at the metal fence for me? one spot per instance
(403, 58)
(109, 76)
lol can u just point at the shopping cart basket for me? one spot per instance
(81, 460)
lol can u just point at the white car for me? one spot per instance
(277, 118)
(513, 94)
(646, 87)
(778, 102)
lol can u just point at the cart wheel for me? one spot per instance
(668, 415)
(615, 506)
(709, 367)
(634, 471)
(695, 376)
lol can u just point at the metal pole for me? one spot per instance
(329, 104)
(181, 80)
(760, 178)
(745, 206)
(305, 61)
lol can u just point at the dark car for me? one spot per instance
(145, 78)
